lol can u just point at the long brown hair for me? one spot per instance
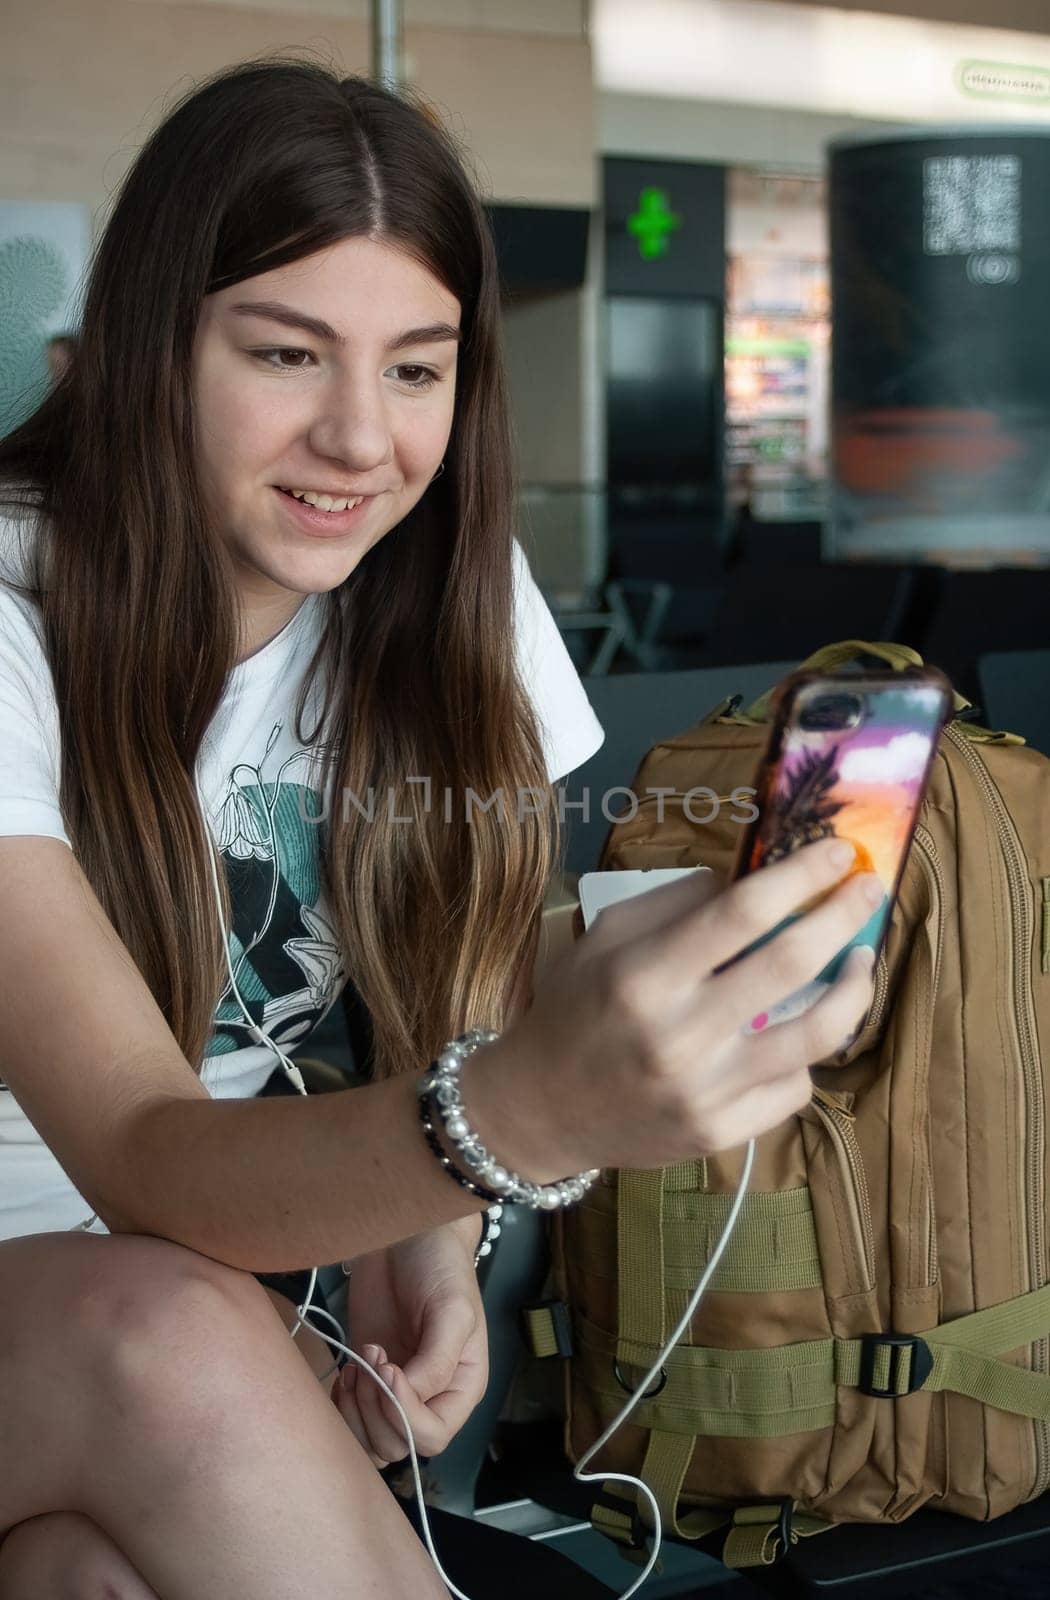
(263, 164)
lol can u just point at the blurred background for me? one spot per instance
(774, 288)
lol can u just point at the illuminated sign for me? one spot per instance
(653, 223)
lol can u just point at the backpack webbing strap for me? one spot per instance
(830, 656)
(773, 1248)
(616, 1514)
(760, 1533)
(964, 1357)
(728, 1393)
(792, 1388)
(666, 1464)
(640, 1256)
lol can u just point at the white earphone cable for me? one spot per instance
(261, 1036)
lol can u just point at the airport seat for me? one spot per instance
(984, 612)
(761, 543)
(775, 612)
(562, 530)
(1014, 693)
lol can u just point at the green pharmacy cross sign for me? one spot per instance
(653, 223)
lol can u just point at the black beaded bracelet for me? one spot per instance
(427, 1119)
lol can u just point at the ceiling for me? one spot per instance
(1025, 16)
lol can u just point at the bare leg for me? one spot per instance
(63, 1554)
(188, 1427)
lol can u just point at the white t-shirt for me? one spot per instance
(265, 798)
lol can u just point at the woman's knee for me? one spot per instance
(158, 1319)
(65, 1556)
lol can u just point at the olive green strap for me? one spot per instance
(773, 1248)
(537, 1323)
(667, 1461)
(640, 1256)
(964, 1357)
(792, 1388)
(830, 656)
(754, 1539)
(723, 1393)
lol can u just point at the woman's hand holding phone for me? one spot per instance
(634, 1052)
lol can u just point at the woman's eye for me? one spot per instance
(264, 355)
(417, 377)
(409, 373)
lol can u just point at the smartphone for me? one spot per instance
(849, 755)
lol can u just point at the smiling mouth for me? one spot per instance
(336, 503)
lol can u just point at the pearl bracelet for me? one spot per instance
(491, 1232)
(439, 1086)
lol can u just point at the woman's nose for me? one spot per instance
(352, 427)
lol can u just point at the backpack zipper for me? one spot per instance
(1021, 922)
(923, 841)
(839, 1124)
(878, 999)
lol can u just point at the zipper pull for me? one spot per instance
(839, 1103)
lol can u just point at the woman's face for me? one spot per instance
(359, 407)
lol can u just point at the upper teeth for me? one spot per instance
(324, 501)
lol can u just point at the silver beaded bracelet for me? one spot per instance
(441, 1085)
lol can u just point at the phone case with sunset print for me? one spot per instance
(849, 755)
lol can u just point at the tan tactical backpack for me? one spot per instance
(876, 1336)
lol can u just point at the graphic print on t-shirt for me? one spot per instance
(283, 948)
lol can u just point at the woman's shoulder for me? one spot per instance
(22, 524)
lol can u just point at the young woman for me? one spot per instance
(295, 297)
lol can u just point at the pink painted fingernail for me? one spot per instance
(759, 1022)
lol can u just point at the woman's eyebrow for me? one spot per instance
(276, 311)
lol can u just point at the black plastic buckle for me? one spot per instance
(787, 1506)
(638, 1536)
(921, 1363)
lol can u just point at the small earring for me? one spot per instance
(438, 473)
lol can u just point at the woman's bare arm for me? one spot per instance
(267, 1185)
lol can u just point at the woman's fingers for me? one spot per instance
(385, 1429)
(344, 1396)
(770, 1081)
(750, 909)
(797, 954)
(821, 1031)
(670, 918)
